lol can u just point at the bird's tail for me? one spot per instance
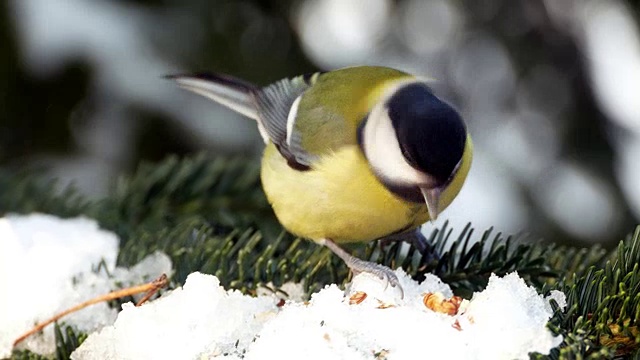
(234, 93)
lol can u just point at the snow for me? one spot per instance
(289, 290)
(48, 264)
(203, 320)
(508, 320)
(199, 318)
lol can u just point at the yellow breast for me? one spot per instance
(339, 198)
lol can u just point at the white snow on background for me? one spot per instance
(126, 72)
(203, 320)
(47, 265)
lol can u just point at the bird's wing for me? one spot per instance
(270, 106)
(333, 106)
(277, 107)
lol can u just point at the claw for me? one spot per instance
(358, 265)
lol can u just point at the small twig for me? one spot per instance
(150, 289)
(159, 284)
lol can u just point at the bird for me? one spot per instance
(351, 155)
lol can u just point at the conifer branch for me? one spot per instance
(211, 216)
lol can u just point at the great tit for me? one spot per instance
(352, 155)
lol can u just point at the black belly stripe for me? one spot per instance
(406, 192)
(407, 227)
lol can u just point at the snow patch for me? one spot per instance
(48, 264)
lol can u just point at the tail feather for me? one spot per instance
(234, 93)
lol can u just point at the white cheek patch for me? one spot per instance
(383, 152)
(291, 118)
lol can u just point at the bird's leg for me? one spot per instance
(358, 265)
(417, 239)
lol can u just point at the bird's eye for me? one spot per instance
(407, 155)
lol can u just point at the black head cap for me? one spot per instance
(431, 133)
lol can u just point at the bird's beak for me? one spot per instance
(432, 199)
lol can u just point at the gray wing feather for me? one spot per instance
(269, 105)
(274, 103)
(226, 90)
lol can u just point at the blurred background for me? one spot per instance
(550, 91)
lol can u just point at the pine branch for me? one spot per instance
(211, 216)
(26, 192)
(466, 264)
(224, 192)
(240, 259)
(603, 308)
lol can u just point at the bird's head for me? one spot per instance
(415, 144)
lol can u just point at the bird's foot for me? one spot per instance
(418, 240)
(358, 266)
